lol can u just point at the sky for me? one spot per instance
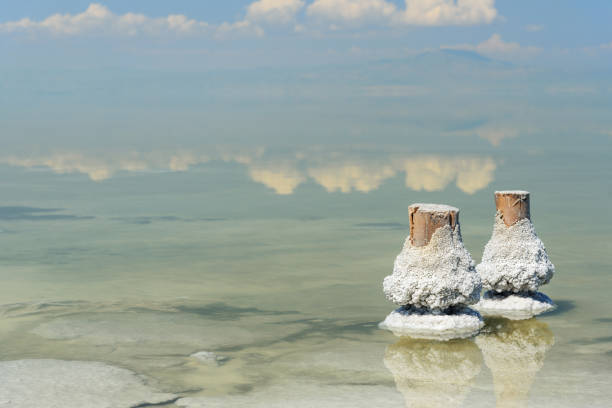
(186, 72)
(298, 32)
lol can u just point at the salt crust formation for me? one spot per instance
(73, 384)
(433, 374)
(514, 351)
(437, 276)
(514, 259)
(423, 324)
(303, 394)
(515, 306)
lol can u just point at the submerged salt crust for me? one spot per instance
(303, 394)
(437, 276)
(514, 259)
(73, 384)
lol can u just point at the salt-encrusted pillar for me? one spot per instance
(514, 262)
(512, 206)
(433, 278)
(425, 219)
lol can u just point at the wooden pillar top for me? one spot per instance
(425, 219)
(513, 205)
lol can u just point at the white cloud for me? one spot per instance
(98, 19)
(497, 47)
(243, 27)
(274, 11)
(448, 12)
(415, 12)
(351, 10)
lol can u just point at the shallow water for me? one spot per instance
(273, 260)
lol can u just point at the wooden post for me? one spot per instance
(425, 219)
(512, 205)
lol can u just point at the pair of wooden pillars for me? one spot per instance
(425, 219)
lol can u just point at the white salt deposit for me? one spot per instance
(424, 324)
(438, 208)
(514, 259)
(73, 384)
(210, 358)
(517, 192)
(514, 306)
(437, 276)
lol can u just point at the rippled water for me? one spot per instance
(272, 259)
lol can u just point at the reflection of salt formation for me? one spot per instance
(433, 374)
(433, 278)
(514, 351)
(514, 263)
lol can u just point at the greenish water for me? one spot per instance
(273, 259)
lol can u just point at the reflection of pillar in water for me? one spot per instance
(514, 351)
(433, 374)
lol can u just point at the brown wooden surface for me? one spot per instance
(513, 206)
(423, 223)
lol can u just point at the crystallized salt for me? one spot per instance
(512, 192)
(514, 259)
(514, 306)
(427, 207)
(424, 324)
(437, 276)
(73, 384)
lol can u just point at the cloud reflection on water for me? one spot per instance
(335, 171)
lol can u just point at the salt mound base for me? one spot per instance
(73, 384)
(423, 324)
(515, 306)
